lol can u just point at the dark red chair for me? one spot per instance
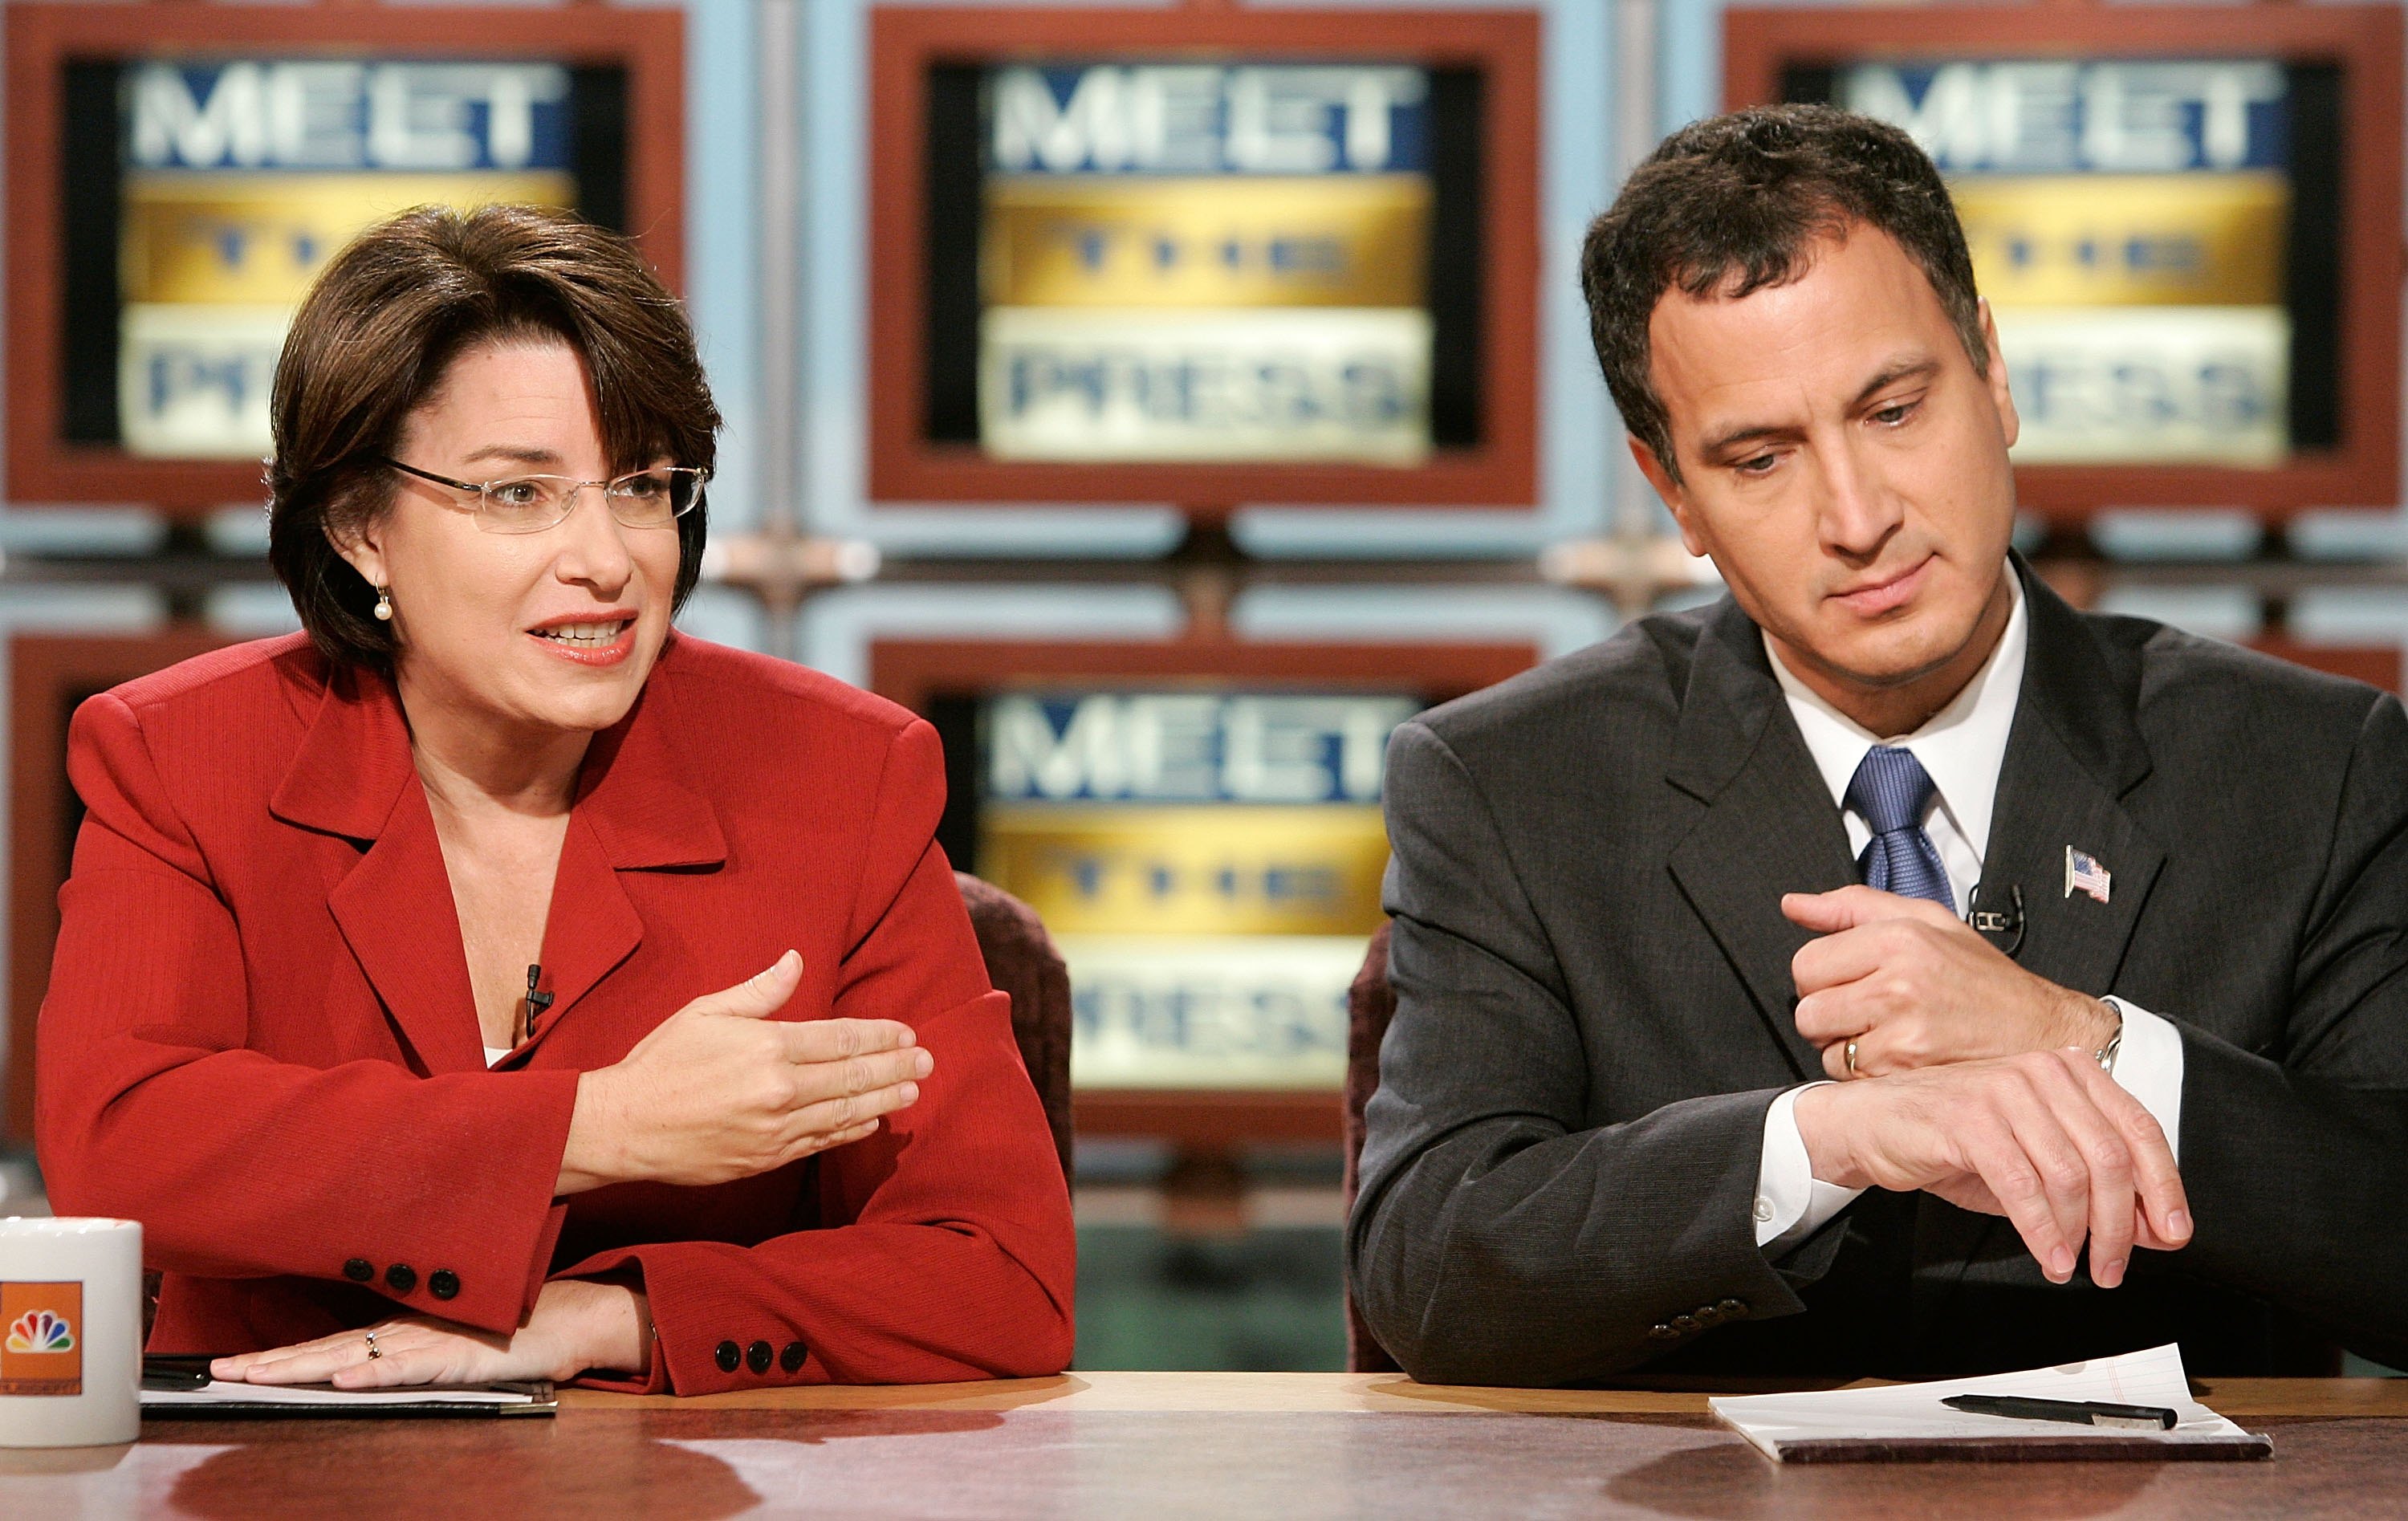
(1022, 961)
(1371, 1003)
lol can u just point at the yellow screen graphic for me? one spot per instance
(1213, 869)
(1328, 241)
(259, 239)
(2067, 240)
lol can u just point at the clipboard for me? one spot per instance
(179, 1388)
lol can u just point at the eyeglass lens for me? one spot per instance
(643, 499)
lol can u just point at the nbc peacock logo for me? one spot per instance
(39, 1330)
(41, 1353)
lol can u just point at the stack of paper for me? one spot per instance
(1908, 1421)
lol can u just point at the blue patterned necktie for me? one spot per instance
(1891, 789)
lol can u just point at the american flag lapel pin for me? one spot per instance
(2083, 873)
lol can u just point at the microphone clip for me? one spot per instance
(536, 1003)
(2003, 927)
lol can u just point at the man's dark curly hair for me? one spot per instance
(1737, 203)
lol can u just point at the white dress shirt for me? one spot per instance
(1962, 748)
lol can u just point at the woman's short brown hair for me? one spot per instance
(377, 332)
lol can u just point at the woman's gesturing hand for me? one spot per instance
(576, 1326)
(721, 1091)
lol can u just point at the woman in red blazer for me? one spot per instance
(488, 984)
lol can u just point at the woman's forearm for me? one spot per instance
(590, 1159)
(609, 1326)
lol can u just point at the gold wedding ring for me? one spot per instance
(1852, 1059)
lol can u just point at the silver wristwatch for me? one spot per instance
(2105, 1055)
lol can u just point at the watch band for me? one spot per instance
(2105, 1055)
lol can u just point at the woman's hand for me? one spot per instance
(576, 1326)
(720, 1091)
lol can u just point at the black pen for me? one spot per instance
(2075, 1412)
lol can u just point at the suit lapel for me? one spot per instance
(2073, 754)
(632, 815)
(354, 761)
(1769, 827)
(396, 911)
(354, 778)
(591, 929)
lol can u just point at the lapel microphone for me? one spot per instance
(536, 1002)
(2003, 927)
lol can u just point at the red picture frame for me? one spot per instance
(2365, 41)
(45, 468)
(1502, 471)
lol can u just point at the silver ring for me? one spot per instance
(1852, 1071)
(374, 1351)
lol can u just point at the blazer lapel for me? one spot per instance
(631, 788)
(354, 761)
(353, 778)
(396, 911)
(1769, 827)
(631, 813)
(2072, 755)
(591, 929)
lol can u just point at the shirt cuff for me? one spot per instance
(2149, 1067)
(1791, 1203)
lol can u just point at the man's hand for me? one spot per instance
(1916, 986)
(575, 1326)
(2046, 1138)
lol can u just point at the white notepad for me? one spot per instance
(1908, 1421)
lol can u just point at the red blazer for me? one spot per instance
(259, 1038)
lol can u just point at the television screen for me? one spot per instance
(202, 194)
(2158, 238)
(1209, 861)
(1192, 260)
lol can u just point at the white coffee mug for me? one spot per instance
(70, 1332)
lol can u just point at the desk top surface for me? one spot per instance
(1338, 1394)
(1291, 1444)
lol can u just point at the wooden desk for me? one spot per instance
(1285, 1445)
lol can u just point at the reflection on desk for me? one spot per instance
(1291, 1444)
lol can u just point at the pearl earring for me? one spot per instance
(384, 604)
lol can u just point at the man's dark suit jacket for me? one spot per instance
(1594, 1011)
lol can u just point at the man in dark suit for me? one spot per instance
(2156, 1089)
